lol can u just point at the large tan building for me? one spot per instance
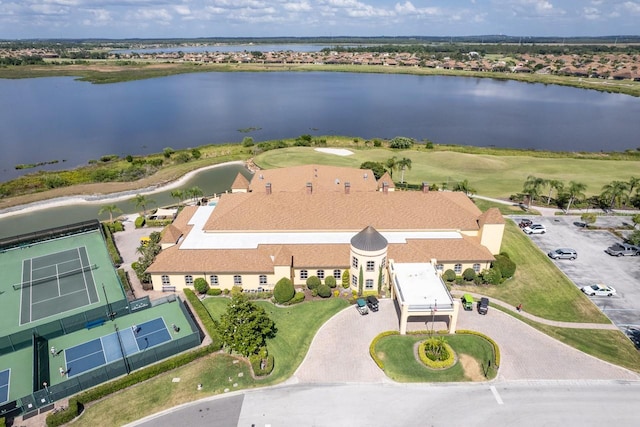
(321, 221)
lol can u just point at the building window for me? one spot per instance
(457, 268)
(371, 265)
(263, 279)
(476, 268)
(166, 281)
(214, 280)
(304, 274)
(337, 274)
(383, 264)
(354, 280)
(440, 267)
(354, 262)
(237, 280)
(368, 284)
(320, 274)
(188, 280)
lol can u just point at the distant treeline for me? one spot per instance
(22, 60)
(334, 40)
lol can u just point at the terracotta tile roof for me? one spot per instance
(240, 183)
(175, 260)
(386, 178)
(444, 250)
(491, 216)
(171, 234)
(397, 210)
(322, 178)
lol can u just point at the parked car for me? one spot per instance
(525, 222)
(372, 303)
(563, 253)
(622, 249)
(361, 305)
(599, 290)
(535, 229)
(634, 336)
(483, 305)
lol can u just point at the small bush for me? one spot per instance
(492, 276)
(330, 281)
(297, 298)
(256, 362)
(214, 292)
(469, 274)
(449, 275)
(313, 282)
(200, 285)
(324, 291)
(345, 279)
(139, 222)
(437, 364)
(505, 265)
(283, 291)
(401, 142)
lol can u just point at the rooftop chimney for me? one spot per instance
(425, 187)
(385, 187)
(309, 188)
(347, 187)
(268, 187)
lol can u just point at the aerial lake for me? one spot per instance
(58, 118)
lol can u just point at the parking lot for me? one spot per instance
(593, 265)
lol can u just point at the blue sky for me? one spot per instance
(264, 18)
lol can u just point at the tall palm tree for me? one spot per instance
(575, 191)
(142, 201)
(465, 187)
(194, 193)
(615, 190)
(178, 195)
(404, 164)
(554, 184)
(634, 184)
(391, 164)
(111, 209)
(532, 187)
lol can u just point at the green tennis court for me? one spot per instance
(56, 283)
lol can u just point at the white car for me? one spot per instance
(599, 289)
(535, 229)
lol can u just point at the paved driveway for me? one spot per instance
(339, 352)
(594, 265)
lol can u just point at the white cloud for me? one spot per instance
(156, 15)
(591, 13)
(409, 9)
(182, 10)
(99, 17)
(631, 7)
(302, 6)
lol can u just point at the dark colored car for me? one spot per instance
(525, 222)
(634, 336)
(372, 303)
(483, 305)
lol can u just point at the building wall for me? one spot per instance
(442, 267)
(299, 280)
(225, 281)
(491, 237)
(378, 258)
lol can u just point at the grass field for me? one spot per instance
(490, 175)
(401, 364)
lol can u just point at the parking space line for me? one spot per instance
(496, 395)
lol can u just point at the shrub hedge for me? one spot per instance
(139, 222)
(330, 281)
(324, 291)
(208, 322)
(284, 290)
(313, 282)
(158, 222)
(124, 278)
(437, 364)
(214, 292)
(449, 275)
(297, 298)
(116, 259)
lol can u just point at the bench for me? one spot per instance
(94, 323)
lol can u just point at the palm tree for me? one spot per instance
(142, 201)
(633, 183)
(391, 164)
(575, 191)
(532, 187)
(404, 164)
(111, 209)
(554, 184)
(194, 193)
(465, 187)
(178, 195)
(615, 190)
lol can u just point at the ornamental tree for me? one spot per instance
(244, 327)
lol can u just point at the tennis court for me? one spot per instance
(55, 283)
(4, 385)
(113, 347)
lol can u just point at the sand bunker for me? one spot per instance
(336, 151)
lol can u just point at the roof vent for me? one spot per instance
(261, 176)
(366, 175)
(337, 181)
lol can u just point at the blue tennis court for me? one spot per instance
(4, 385)
(109, 348)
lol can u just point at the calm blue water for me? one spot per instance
(59, 118)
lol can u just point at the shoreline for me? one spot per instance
(108, 197)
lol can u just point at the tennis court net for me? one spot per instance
(47, 279)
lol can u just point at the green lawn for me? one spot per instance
(297, 325)
(490, 175)
(400, 363)
(538, 284)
